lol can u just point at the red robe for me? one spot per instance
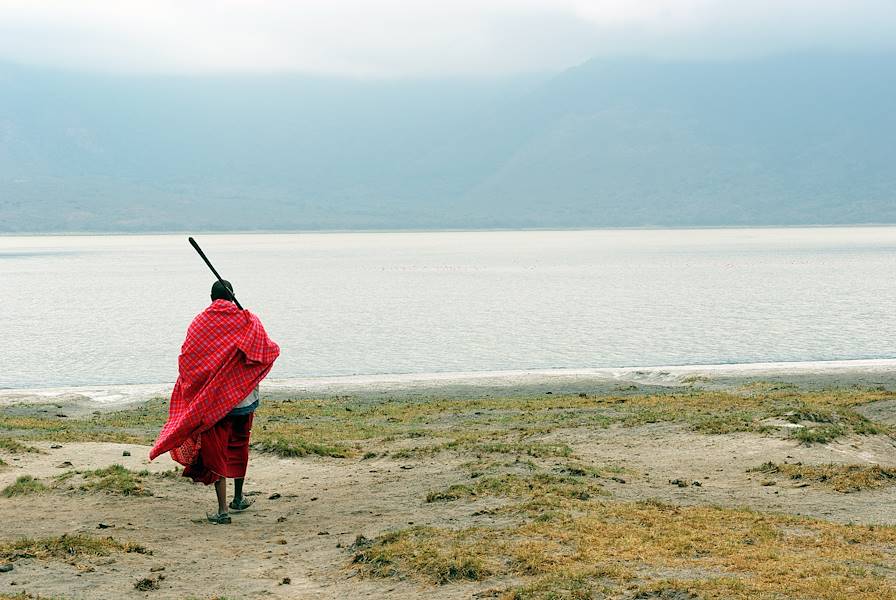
(226, 354)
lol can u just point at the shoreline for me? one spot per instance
(464, 384)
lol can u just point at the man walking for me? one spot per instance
(224, 357)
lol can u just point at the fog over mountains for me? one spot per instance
(799, 139)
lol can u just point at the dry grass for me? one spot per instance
(539, 485)
(554, 534)
(731, 554)
(67, 548)
(842, 478)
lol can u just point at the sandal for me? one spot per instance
(218, 519)
(240, 505)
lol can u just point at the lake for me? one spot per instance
(91, 310)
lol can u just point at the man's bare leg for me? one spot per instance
(240, 503)
(221, 491)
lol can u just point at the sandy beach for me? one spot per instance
(643, 483)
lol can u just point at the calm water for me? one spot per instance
(81, 310)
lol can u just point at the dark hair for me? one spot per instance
(220, 292)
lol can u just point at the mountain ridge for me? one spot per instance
(796, 140)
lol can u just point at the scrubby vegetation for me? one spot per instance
(542, 524)
(115, 479)
(842, 478)
(14, 447)
(336, 427)
(598, 547)
(65, 547)
(24, 485)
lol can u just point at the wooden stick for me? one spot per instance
(202, 254)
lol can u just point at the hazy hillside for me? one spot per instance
(803, 139)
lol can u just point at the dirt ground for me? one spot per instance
(325, 503)
(294, 542)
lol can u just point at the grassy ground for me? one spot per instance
(342, 426)
(842, 478)
(115, 480)
(552, 530)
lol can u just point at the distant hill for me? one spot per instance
(804, 139)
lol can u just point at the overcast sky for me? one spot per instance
(402, 38)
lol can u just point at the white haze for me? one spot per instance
(396, 38)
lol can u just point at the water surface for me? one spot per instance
(90, 310)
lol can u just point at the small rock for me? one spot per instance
(146, 584)
(281, 519)
(273, 496)
(282, 542)
(56, 446)
(323, 533)
(679, 482)
(286, 581)
(5, 568)
(61, 416)
(618, 479)
(126, 453)
(583, 395)
(314, 498)
(696, 484)
(64, 464)
(156, 569)
(104, 526)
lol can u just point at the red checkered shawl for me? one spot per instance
(226, 354)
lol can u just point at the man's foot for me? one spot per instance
(218, 519)
(240, 504)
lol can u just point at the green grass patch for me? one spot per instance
(116, 480)
(23, 486)
(817, 435)
(581, 470)
(501, 425)
(15, 447)
(289, 448)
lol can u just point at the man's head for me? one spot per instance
(219, 292)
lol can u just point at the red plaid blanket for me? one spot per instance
(226, 354)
